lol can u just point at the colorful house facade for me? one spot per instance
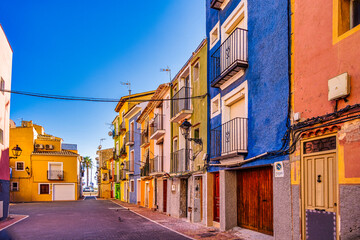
(189, 106)
(156, 159)
(248, 78)
(123, 143)
(5, 83)
(325, 171)
(45, 171)
(103, 172)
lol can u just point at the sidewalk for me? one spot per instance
(11, 220)
(192, 230)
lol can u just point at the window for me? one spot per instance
(19, 166)
(2, 85)
(44, 188)
(196, 71)
(132, 161)
(1, 136)
(132, 186)
(348, 15)
(214, 35)
(215, 106)
(14, 186)
(117, 149)
(197, 133)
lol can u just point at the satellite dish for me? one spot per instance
(99, 147)
(110, 133)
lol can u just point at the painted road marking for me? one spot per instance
(156, 222)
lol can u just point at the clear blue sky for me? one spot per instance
(86, 48)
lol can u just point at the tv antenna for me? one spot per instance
(167, 69)
(128, 84)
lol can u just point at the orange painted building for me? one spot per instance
(325, 166)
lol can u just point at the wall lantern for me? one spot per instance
(16, 151)
(27, 169)
(185, 128)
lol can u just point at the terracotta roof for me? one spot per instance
(159, 94)
(62, 153)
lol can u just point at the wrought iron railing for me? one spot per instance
(55, 175)
(157, 124)
(145, 136)
(123, 152)
(180, 161)
(129, 137)
(156, 164)
(145, 170)
(129, 166)
(234, 49)
(181, 101)
(230, 137)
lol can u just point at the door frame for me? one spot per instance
(302, 179)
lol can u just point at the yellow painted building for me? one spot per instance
(121, 128)
(46, 170)
(104, 186)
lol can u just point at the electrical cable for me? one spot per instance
(92, 99)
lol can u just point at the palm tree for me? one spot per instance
(87, 163)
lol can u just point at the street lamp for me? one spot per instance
(27, 169)
(16, 151)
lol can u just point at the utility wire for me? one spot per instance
(91, 99)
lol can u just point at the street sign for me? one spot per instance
(279, 169)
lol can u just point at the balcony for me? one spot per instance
(55, 175)
(123, 152)
(180, 162)
(145, 140)
(122, 174)
(230, 58)
(181, 105)
(115, 134)
(229, 139)
(122, 127)
(216, 4)
(129, 167)
(157, 127)
(129, 138)
(145, 170)
(156, 165)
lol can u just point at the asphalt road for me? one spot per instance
(89, 219)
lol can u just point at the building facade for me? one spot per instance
(44, 171)
(5, 83)
(189, 103)
(325, 173)
(248, 77)
(103, 172)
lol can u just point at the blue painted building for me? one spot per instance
(248, 76)
(133, 140)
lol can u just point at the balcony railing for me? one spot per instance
(180, 162)
(129, 166)
(55, 175)
(145, 139)
(129, 138)
(123, 152)
(122, 127)
(229, 138)
(157, 127)
(180, 101)
(230, 57)
(156, 164)
(145, 170)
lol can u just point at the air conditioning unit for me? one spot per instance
(39, 146)
(49, 147)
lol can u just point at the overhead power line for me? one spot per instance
(92, 99)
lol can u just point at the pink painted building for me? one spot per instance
(325, 167)
(5, 83)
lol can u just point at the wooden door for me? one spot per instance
(320, 196)
(216, 197)
(255, 199)
(165, 195)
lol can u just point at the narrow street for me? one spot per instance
(88, 219)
